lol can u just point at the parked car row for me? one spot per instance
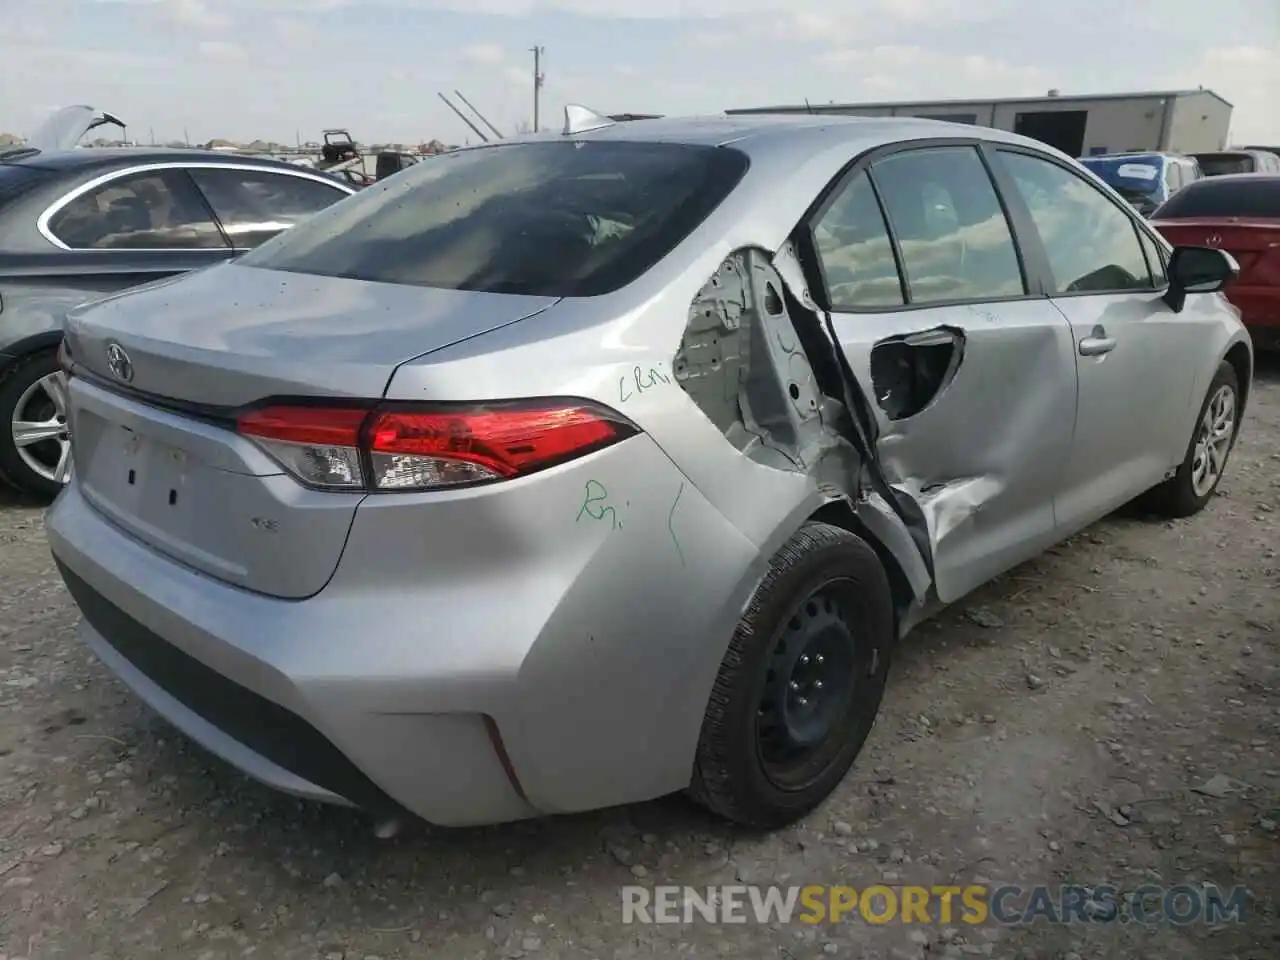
(1228, 200)
(574, 470)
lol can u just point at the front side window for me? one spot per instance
(156, 210)
(563, 218)
(955, 240)
(255, 205)
(856, 254)
(1092, 245)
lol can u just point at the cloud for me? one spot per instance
(1249, 77)
(193, 13)
(295, 32)
(482, 53)
(895, 69)
(221, 51)
(377, 64)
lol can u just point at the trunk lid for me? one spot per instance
(152, 452)
(64, 128)
(231, 335)
(1254, 242)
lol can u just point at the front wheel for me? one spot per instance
(800, 686)
(35, 445)
(1189, 490)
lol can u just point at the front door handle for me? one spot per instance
(1096, 346)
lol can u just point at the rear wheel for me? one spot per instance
(35, 445)
(800, 686)
(1189, 490)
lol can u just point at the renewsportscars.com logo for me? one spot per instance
(1007, 905)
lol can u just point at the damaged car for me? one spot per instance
(571, 471)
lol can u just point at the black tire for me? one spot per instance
(13, 384)
(830, 583)
(1177, 496)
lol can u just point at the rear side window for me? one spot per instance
(255, 205)
(16, 180)
(955, 241)
(855, 251)
(559, 219)
(1217, 164)
(155, 210)
(1245, 197)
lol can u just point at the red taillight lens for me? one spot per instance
(319, 446)
(404, 447)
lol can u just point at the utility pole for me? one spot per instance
(538, 79)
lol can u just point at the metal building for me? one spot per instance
(1181, 121)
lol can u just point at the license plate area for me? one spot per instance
(146, 477)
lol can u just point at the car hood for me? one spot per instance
(64, 128)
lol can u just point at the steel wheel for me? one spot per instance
(810, 685)
(39, 428)
(1213, 440)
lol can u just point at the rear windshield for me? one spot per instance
(560, 219)
(16, 179)
(1257, 196)
(1217, 164)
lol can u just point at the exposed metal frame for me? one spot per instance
(42, 222)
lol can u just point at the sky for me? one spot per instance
(280, 69)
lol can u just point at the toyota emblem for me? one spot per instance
(1214, 241)
(118, 362)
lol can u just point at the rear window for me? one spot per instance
(1217, 164)
(15, 180)
(560, 219)
(1246, 197)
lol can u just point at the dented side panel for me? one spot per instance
(975, 410)
(743, 362)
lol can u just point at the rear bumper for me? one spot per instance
(465, 694)
(250, 696)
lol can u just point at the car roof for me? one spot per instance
(1242, 152)
(87, 158)
(770, 133)
(1266, 177)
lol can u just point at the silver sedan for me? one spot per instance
(580, 469)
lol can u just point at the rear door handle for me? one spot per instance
(1096, 346)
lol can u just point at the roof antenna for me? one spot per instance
(580, 119)
(807, 106)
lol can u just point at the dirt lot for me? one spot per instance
(1055, 729)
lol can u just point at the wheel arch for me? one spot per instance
(840, 513)
(15, 353)
(1241, 359)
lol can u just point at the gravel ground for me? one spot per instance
(1105, 714)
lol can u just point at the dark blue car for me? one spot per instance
(1146, 180)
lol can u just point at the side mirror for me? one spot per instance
(1198, 270)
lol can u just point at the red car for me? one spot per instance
(1239, 213)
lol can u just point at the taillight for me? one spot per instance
(403, 447)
